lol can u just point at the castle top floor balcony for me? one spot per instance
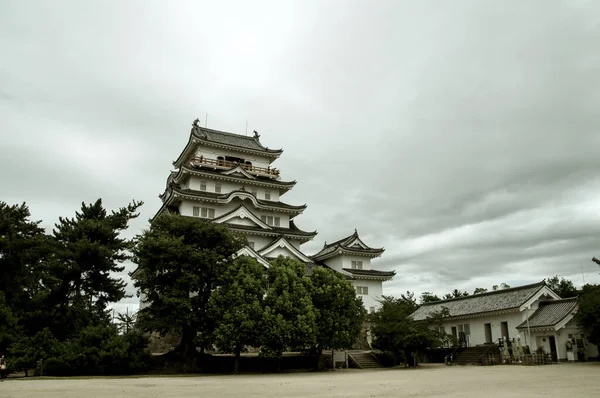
(226, 163)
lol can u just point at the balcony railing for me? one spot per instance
(226, 164)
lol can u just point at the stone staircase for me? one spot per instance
(470, 355)
(364, 360)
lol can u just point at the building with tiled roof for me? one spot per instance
(352, 257)
(533, 313)
(228, 178)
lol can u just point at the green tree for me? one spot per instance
(126, 321)
(394, 331)
(455, 294)
(90, 250)
(339, 313)
(428, 297)
(501, 286)
(238, 308)
(289, 320)
(180, 261)
(24, 280)
(479, 290)
(563, 287)
(588, 314)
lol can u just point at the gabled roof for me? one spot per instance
(242, 212)
(282, 242)
(477, 304)
(174, 193)
(248, 251)
(370, 274)
(222, 139)
(177, 176)
(351, 245)
(551, 313)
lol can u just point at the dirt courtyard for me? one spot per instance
(570, 380)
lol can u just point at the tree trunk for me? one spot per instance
(410, 360)
(319, 356)
(236, 361)
(187, 347)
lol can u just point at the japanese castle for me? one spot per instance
(227, 178)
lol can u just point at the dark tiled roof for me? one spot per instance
(343, 244)
(550, 313)
(231, 139)
(293, 230)
(217, 196)
(480, 303)
(369, 272)
(258, 179)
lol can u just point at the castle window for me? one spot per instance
(220, 161)
(196, 211)
(364, 290)
(207, 213)
(270, 220)
(357, 265)
(203, 185)
(217, 187)
(268, 195)
(248, 165)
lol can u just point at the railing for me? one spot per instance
(450, 358)
(491, 356)
(226, 164)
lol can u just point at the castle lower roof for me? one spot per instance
(370, 274)
(499, 300)
(351, 245)
(551, 313)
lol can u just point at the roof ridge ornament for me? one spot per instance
(256, 135)
(196, 129)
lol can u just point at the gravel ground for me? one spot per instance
(562, 380)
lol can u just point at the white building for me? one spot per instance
(227, 178)
(533, 312)
(352, 257)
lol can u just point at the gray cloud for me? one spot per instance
(459, 135)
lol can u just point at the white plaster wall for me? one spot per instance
(226, 187)
(375, 292)
(259, 241)
(477, 327)
(335, 263)
(213, 153)
(347, 261)
(186, 208)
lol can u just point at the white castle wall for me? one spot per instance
(226, 187)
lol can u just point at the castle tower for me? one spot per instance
(228, 179)
(352, 257)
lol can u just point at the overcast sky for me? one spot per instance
(462, 136)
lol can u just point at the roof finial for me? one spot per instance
(355, 231)
(256, 135)
(325, 244)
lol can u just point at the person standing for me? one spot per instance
(2, 368)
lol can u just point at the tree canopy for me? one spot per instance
(563, 287)
(588, 315)
(180, 262)
(289, 317)
(237, 307)
(339, 313)
(394, 331)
